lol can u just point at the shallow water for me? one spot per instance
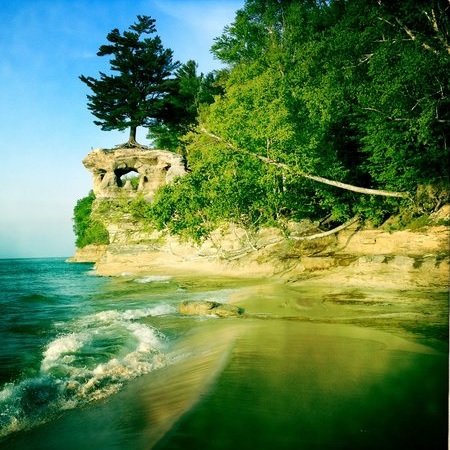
(101, 363)
(314, 386)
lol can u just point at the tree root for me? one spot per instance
(132, 145)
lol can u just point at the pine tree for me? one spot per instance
(191, 91)
(133, 95)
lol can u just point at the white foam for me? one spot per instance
(109, 316)
(74, 371)
(112, 316)
(147, 337)
(159, 310)
(132, 359)
(154, 279)
(58, 349)
(6, 392)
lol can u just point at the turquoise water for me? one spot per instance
(108, 363)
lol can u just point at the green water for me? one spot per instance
(303, 368)
(310, 386)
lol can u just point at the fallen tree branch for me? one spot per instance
(327, 233)
(348, 187)
(338, 184)
(244, 251)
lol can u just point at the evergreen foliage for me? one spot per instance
(135, 94)
(190, 93)
(356, 91)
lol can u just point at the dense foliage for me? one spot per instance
(190, 92)
(88, 230)
(134, 95)
(356, 91)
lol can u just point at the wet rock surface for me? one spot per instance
(207, 307)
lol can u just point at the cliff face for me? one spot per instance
(400, 260)
(369, 257)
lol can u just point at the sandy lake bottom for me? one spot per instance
(303, 368)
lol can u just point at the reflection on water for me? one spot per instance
(277, 378)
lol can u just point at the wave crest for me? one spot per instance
(101, 352)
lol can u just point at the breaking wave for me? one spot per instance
(90, 361)
(154, 279)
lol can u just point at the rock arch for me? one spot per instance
(154, 168)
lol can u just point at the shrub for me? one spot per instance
(88, 230)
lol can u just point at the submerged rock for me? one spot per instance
(207, 307)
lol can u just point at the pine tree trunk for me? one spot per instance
(132, 138)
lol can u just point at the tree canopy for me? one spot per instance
(134, 94)
(190, 92)
(316, 96)
(355, 91)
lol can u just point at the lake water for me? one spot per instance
(88, 362)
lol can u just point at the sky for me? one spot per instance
(45, 127)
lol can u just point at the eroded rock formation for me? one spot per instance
(131, 171)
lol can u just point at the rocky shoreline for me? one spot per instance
(397, 282)
(296, 252)
(399, 260)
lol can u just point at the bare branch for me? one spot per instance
(414, 37)
(394, 119)
(434, 23)
(327, 233)
(365, 58)
(387, 21)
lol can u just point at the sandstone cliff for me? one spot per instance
(401, 259)
(151, 168)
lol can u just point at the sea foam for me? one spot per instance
(154, 279)
(97, 355)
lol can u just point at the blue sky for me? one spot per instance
(45, 127)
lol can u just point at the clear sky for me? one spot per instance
(45, 127)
